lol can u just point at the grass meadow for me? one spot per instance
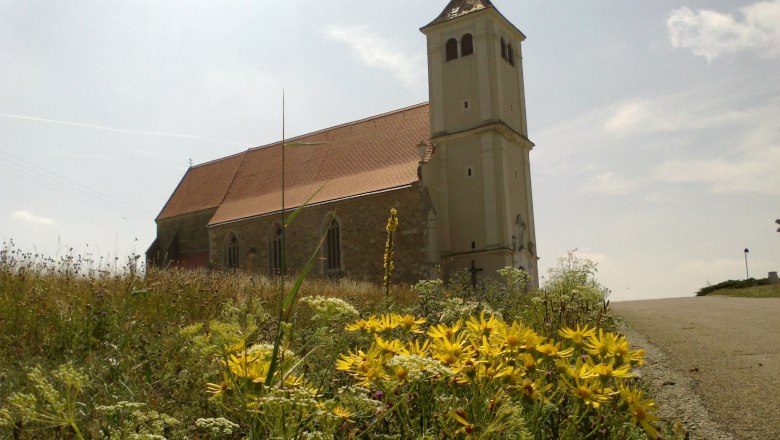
(87, 352)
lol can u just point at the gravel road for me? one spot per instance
(714, 362)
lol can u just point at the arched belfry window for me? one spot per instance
(452, 49)
(467, 45)
(510, 52)
(519, 238)
(275, 250)
(503, 48)
(332, 246)
(232, 252)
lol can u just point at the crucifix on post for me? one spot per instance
(473, 271)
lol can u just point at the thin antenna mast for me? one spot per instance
(284, 220)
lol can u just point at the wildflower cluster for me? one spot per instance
(287, 404)
(246, 370)
(474, 366)
(54, 402)
(388, 322)
(330, 309)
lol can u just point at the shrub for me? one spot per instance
(733, 284)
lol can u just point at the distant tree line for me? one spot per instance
(733, 284)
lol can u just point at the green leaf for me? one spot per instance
(290, 298)
(298, 210)
(286, 308)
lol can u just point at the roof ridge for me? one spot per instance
(220, 159)
(346, 124)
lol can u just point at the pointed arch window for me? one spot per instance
(275, 251)
(332, 247)
(467, 45)
(232, 252)
(452, 49)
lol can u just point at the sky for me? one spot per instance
(656, 124)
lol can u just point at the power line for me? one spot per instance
(56, 182)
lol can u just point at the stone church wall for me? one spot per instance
(182, 239)
(362, 228)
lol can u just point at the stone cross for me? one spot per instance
(473, 271)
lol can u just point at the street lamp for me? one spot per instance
(747, 274)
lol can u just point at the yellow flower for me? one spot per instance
(387, 322)
(217, 389)
(518, 337)
(529, 361)
(636, 357)
(512, 336)
(641, 410)
(624, 353)
(551, 349)
(367, 367)
(580, 371)
(442, 331)
(392, 222)
(603, 345)
(587, 390)
(451, 352)
(480, 327)
(493, 371)
(371, 375)
(578, 335)
(533, 390)
(607, 371)
(401, 373)
(237, 347)
(252, 366)
(489, 349)
(392, 347)
(370, 325)
(622, 345)
(343, 413)
(410, 323)
(466, 372)
(414, 347)
(466, 426)
(350, 361)
(513, 376)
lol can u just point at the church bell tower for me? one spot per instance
(478, 176)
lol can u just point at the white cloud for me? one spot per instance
(671, 113)
(729, 141)
(754, 172)
(375, 51)
(710, 34)
(29, 217)
(607, 183)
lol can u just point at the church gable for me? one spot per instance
(202, 187)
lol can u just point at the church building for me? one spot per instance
(456, 169)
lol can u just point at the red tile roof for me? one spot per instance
(202, 187)
(362, 157)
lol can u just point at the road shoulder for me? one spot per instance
(674, 393)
